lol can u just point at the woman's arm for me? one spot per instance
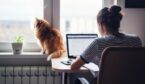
(77, 64)
(87, 56)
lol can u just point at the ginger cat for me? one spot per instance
(50, 39)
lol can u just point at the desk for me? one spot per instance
(59, 67)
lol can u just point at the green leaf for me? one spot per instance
(19, 39)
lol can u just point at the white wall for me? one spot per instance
(133, 21)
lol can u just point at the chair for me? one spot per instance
(122, 65)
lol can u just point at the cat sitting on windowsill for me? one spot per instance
(49, 39)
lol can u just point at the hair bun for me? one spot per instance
(115, 9)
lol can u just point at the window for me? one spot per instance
(16, 17)
(76, 16)
(79, 16)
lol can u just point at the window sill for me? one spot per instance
(24, 59)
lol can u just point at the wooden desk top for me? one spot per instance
(60, 67)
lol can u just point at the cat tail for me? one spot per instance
(57, 54)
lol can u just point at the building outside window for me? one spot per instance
(16, 17)
(79, 16)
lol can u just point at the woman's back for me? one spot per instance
(96, 48)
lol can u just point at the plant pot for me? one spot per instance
(17, 48)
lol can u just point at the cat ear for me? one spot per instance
(36, 19)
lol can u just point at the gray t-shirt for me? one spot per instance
(93, 52)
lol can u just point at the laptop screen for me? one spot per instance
(77, 43)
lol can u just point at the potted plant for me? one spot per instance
(17, 45)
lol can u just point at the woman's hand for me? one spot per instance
(77, 64)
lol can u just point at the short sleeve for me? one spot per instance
(89, 55)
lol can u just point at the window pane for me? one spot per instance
(79, 16)
(16, 17)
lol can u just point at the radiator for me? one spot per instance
(27, 69)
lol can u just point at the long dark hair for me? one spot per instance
(111, 18)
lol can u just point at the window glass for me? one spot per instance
(79, 16)
(16, 18)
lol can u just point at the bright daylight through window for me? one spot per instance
(16, 16)
(79, 16)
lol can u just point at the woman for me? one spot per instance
(108, 20)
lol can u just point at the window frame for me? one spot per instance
(52, 14)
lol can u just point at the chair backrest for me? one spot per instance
(122, 65)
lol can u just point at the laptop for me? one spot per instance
(76, 44)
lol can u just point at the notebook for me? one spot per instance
(77, 43)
